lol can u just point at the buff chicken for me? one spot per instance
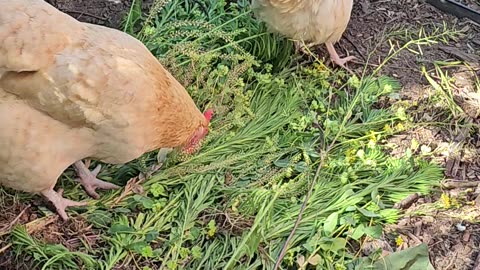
(71, 90)
(310, 21)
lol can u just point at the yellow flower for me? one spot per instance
(350, 155)
(399, 241)
(387, 128)
(371, 136)
(446, 200)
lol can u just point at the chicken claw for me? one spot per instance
(89, 180)
(336, 59)
(299, 46)
(60, 203)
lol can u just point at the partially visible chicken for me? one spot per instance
(70, 90)
(312, 21)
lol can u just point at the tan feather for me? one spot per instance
(317, 21)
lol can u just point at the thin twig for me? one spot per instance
(407, 202)
(459, 184)
(5, 248)
(300, 214)
(355, 48)
(34, 226)
(132, 186)
(19, 215)
(13, 222)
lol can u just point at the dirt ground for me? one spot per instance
(453, 244)
(104, 12)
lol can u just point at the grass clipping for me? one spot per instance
(233, 204)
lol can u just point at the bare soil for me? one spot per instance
(109, 13)
(453, 243)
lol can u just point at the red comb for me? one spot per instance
(208, 114)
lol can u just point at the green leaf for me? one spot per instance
(414, 258)
(197, 252)
(350, 208)
(157, 252)
(349, 219)
(333, 244)
(120, 228)
(157, 190)
(408, 153)
(282, 163)
(195, 231)
(151, 235)
(330, 223)
(377, 198)
(309, 246)
(172, 265)
(313, 153)
(100, 218)
(367, 213)
(138, 246)
(184, 252)
(146, 202)
(212, 228)
(374, 231)
(252, 244)
(147, 252)
(338, 244)
(301, 167)
(122, 210)
(159, 204)
(358, 232)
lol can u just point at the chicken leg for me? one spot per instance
(299, 46)
(89, 180)
(335, 58)
(60, 203)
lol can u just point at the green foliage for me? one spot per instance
(414, 258)
(47, 256)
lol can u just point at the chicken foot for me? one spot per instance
(300, 46)
(335, 58)
(60, 203)
(89, 180)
